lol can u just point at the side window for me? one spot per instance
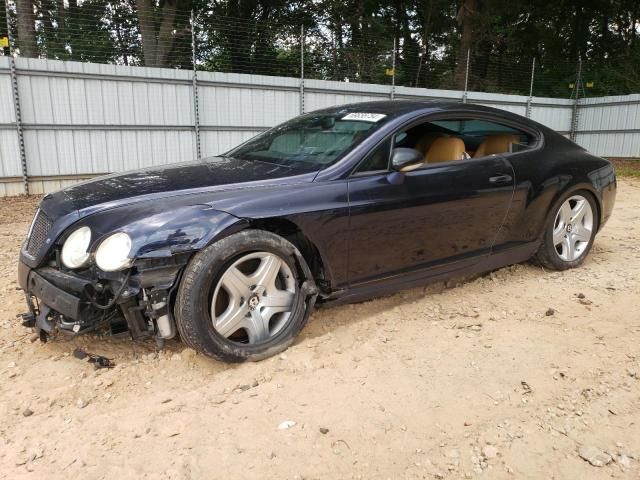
(493, 138)
(399, 139)
(450, 139)
(483, 137)
(376, 160)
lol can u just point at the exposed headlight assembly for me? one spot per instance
(74, 250)
(113, 253)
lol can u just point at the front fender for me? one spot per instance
(159, 234)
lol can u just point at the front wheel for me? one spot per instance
(569, 232)
(241, 298)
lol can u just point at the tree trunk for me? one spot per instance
(604, 36)
(337, 73)
(165, 40)
(426, 32)
(60, 12)
(466, 19)
(50, 45)
(26, 28)
(147, 31)
(265, 57)
(157, 43)
(71, 24)
(579, 32)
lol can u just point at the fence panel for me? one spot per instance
(610, 126)
(10, 164)
(557, 117)
(327, 93)
(235, 107)
(83, 119)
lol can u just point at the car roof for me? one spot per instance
(396, 108)
(390, 107)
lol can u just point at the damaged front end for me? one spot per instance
(136, 300)
(78, 292)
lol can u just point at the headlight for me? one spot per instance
(74, 250)
(113, 253)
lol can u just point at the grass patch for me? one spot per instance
(627, 167)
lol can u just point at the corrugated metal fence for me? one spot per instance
(80, 119)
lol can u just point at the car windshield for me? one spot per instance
(313, 140)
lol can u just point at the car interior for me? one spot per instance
(324, 140)
(451, 140)
(437, 141)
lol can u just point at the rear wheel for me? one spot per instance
(240, 299)
(569, 232)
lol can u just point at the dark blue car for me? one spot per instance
(233, 252)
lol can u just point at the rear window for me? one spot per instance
(474, 127)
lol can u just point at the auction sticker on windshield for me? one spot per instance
(364, 117)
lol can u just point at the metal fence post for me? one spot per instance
(393, 71)
(575, 115)
(530, 99)
(301, 69)
(196, 110)
(466, 78)
(16, 105)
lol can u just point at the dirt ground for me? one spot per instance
(478, 380)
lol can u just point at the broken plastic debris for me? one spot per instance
(286, 425)
(98, 360)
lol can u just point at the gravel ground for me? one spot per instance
(520, 373)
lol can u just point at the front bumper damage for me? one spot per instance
(136, 301)
(48, 298)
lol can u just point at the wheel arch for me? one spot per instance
(307, 248)
(572, 189)
(285, 228)
(546, 254)
(193, 301)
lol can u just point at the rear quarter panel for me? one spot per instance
(545, 175)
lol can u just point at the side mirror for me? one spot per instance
(406, 159)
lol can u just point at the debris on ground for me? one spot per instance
(594, 456)
(525, 386)
(286, 425)
(98, 360)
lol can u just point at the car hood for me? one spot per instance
(199, 177)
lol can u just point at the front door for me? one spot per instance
(447, 213)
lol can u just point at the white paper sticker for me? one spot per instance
(365, 117)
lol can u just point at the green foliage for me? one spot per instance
(352, 40)
(627, 167)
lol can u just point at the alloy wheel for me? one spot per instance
(573, 228)
(254, 298)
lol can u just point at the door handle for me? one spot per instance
(500, 179)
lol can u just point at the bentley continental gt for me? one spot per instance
(234, 252)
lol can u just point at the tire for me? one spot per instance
(217, 288)
(563, 226)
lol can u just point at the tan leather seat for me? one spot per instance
(496, 144)
(446, 149)
(424, 143)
